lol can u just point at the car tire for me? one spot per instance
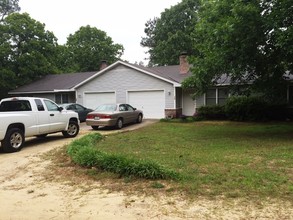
(13, 140)
(72, 130)
(119, 123)
(95, 127)
(139, 118)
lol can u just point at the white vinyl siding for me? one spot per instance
(122, 79)
(152, 103)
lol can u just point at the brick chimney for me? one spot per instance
(184, 65)
(103, 64)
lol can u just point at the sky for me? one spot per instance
(122, 20)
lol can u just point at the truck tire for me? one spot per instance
(72, 130)
(13, 140)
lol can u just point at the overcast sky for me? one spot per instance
(122, 20)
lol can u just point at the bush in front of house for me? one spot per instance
(279, 112)
(84, 152)
(214, 112)
(243, 108)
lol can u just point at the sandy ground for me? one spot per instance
(26, 194)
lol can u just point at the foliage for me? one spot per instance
(84, 153)
(169, 35)
(88, 46)
(27, 50)
(211, 112)
(242, 108)
(249, 41)
(7, 7)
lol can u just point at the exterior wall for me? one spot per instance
(122, 79)
(173, 113)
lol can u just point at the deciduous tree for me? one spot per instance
(27, 51)
(7, 7)
(249, 41)
(169, 35)
(89, 46)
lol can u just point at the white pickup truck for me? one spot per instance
(22, 117)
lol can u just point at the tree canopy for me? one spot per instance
(169, 35)
(7, 7)
(27, 51)
(251, 42)
(89, 46)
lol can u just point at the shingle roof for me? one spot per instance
(55, 82)
(168, 72)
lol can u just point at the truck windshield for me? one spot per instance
(15, 105)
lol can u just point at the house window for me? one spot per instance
(211, 98)
(216, 96)
(222, 96)
(61, 98)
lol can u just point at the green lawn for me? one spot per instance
(216, 158)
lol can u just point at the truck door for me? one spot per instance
(43, 120)
(57, 121)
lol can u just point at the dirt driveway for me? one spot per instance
(26, 194)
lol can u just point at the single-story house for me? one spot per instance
(156, 90)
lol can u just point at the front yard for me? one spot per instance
(229, 171)
(230, 159)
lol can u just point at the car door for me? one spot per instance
(57, 121)
(82, 112)
(133, 115)
(125, 113)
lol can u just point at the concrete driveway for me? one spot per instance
(106, 130)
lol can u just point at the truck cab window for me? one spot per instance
(40, 105)
(51, 106)
(17, 105)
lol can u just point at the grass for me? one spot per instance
(214, 158)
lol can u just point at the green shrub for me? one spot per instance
(242, 108)
(84, 153)
(212, 112)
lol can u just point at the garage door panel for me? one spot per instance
(93, 100)
(152, 103)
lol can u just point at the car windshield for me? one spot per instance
(106, 108)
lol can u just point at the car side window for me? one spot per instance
(71, 107)
(79, 108)
(40, 105)
(51, 106)
(130, 108)
(123, 108)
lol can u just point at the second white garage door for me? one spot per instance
(152, 103)
(93, 100)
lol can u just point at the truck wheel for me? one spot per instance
(13, 140)
(72, 131)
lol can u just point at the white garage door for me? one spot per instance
(152, 103)
(93, 100)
